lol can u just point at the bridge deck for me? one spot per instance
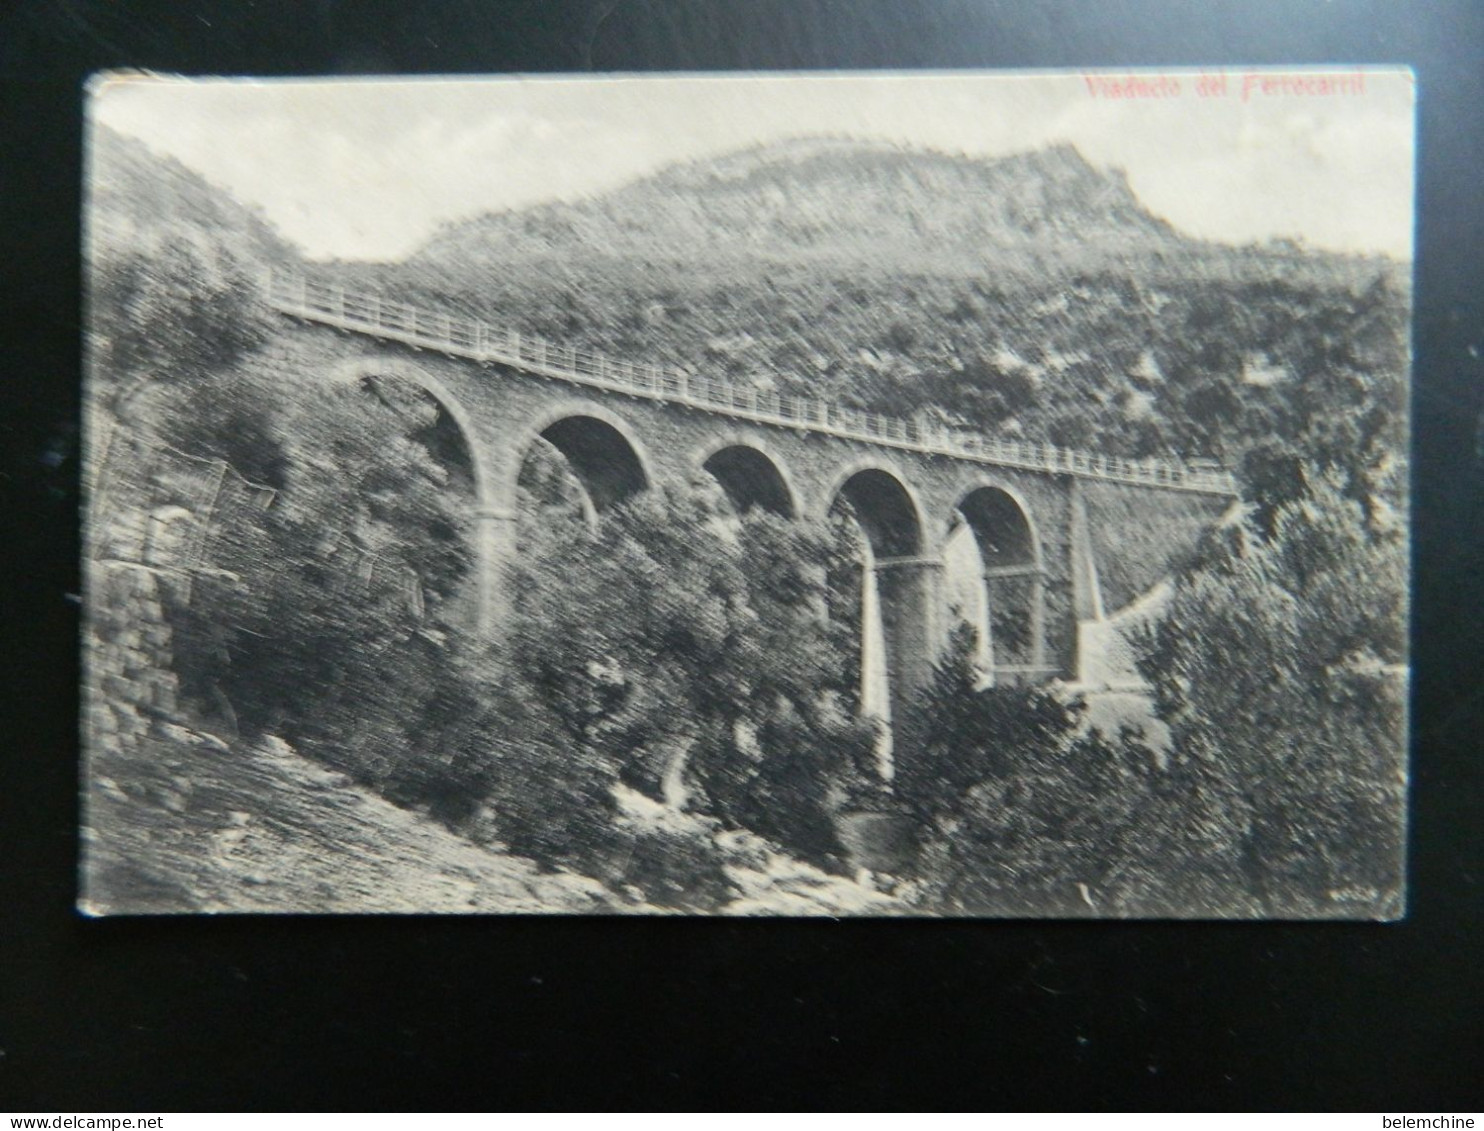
(382, 318)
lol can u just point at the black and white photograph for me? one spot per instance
(940, 494)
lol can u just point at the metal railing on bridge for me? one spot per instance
(380, 317)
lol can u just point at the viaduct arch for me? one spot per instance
(750, 472)
(602, 449)
(1013, 575)
(899, 582)
(491, 508)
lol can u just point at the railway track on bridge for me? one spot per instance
(385, 319)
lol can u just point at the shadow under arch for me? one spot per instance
(358, 370)
(1013, 577)
(1002, 523)
(898, 587)
(883, 505)
(600, 447)
(488, 511)
(750, 474)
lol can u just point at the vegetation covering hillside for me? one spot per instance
(1028, 295)
(145, 193)
(174, 270)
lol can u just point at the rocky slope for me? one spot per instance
(190, 824)
(181, 821)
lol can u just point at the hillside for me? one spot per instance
(194, 826)
(1029, 295)
(134, 190)
(191, 823)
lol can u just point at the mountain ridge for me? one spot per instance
(838, 197)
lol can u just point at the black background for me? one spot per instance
(304, 1013)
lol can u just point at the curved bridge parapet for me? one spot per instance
(388, 320)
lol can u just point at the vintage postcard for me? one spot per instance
(912, 494)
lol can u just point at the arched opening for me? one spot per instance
(573, 464)
(895, 587)
(549, 494)
(750, 479)
(453, 434)
(431, 551)
(600, 456)
(883, 509)
(1006, 602)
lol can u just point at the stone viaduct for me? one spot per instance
(1051, 526)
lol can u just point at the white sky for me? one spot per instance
(369, 168)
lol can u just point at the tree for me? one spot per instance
(352, 585)
(172, 304)
(959, 734)
(686, 647)
(1307, 727)
(1026, 811)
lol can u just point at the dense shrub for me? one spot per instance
(958, 734)
(1308, 727)
(789, 780)
(687, 647)
(548, 798)
(1025, 811)
(675, 865)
